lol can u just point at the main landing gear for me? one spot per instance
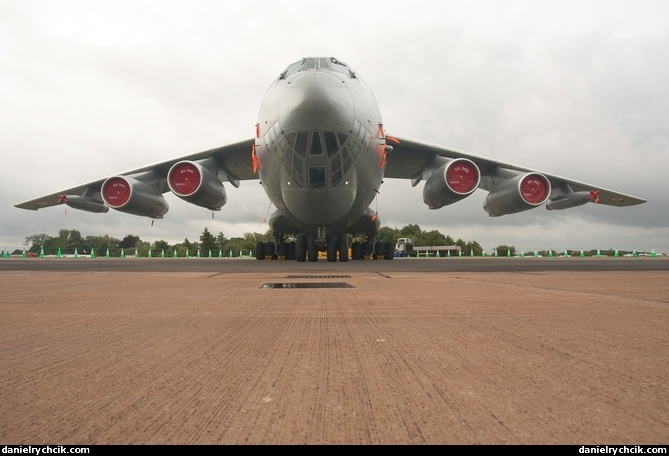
(307, 247)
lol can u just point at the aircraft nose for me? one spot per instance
(320, 187)
(321, 100)
(317, 207)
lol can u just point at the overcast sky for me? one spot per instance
(574, 88)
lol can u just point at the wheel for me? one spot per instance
(366, 250)
(343, 247)
(301, 248)
(260, 248)
(390, 250)
(379, 250)
(269, 250)
(332, 248)
(312, 251)
(282, 251)
(356, 251)
(291, 251)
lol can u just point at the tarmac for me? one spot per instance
(441, 351)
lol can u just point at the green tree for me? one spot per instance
(186, 245)
(101, 244)
(234, 245)
(410, 231)
(503, 249)
(129, 241)
(207, 242)
(221, 240)
(434, 237)
(36, 242)
(473, 246)
(161, 246)
(387, 234)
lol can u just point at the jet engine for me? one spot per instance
(520, 193)
(196, 184)
(452, 182)
(132, 196)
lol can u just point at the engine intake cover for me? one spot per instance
(452, 182)
(132, 196)
(520, 193)
(194, 183)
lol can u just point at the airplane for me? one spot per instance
(321, 152)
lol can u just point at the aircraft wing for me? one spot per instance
(235, 159)
(414, 159)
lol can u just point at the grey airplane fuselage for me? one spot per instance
(319, 152)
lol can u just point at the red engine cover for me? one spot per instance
(117, 192)
(462, 177)
(185, 179)
(533, 189)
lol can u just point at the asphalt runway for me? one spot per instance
(409, 351)
(248, 265)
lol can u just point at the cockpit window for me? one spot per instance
(292, 68)
(317, 177)
(312, 64)
(315, 63)
(320, 63)
(339, 66)
(316, 147)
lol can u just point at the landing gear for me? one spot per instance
(282, 250)
(332, 248)
(356, 251)
(307, 247)
(390, 250)
(279, 249)
(343, 247)
(301, 248)
(269, 250)
(312, 250)
(366, 250)
(379, 250)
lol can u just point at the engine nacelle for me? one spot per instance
(84, 203)
(194, 183)
(520, 193)
(132, 196)
(452, 182)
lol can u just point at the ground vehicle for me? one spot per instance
(405, 247)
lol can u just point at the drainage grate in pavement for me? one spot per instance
(308, 285)
(318, 277)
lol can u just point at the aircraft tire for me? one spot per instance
(356, 252)
(291, 251)
(312, 251)
(343, 247)
(390, 250)
(282, 251)
(366, 249)
(301, 248)
(269, 249)
(260, 248)
(332, 248)
(379, 249)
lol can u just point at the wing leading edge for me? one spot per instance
(419, 160)
(230, 163)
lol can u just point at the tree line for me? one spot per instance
(71, 241)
